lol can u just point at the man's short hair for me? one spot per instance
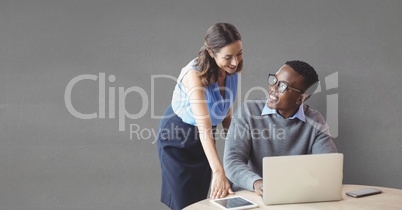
(309, 74)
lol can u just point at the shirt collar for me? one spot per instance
(299, 114)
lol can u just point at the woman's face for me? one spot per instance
(229, 57)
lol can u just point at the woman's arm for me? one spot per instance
(228, 119)
(196, 92)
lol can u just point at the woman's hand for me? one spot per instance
(220, 186)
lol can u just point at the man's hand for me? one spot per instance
(258, 187)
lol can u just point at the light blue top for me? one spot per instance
(217, 105)
(299, 114)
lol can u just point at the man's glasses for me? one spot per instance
(282, 86)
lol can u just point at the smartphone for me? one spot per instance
(363, 192)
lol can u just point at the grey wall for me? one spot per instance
(50, 159)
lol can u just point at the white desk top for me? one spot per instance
(389, 199)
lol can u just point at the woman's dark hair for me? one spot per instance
(217, 37)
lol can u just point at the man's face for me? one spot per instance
(288, 102)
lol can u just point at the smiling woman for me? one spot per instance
(202, 99)
(220, 53)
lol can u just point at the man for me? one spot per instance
(281, 125)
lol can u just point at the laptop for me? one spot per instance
(302, 178)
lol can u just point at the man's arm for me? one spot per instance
(237, 151)
(323, 142)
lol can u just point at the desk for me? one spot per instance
(388, 199)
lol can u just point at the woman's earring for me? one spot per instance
(211, 54)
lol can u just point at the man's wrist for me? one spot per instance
(256, 183)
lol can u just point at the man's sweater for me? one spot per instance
(252, 137)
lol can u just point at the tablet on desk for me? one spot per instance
(234, 203)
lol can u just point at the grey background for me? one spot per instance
(50, 159)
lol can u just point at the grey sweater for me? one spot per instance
(252, 137)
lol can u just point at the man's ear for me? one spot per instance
(306, 95)
(311, 89)
(302, 98)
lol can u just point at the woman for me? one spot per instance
(205, 91)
